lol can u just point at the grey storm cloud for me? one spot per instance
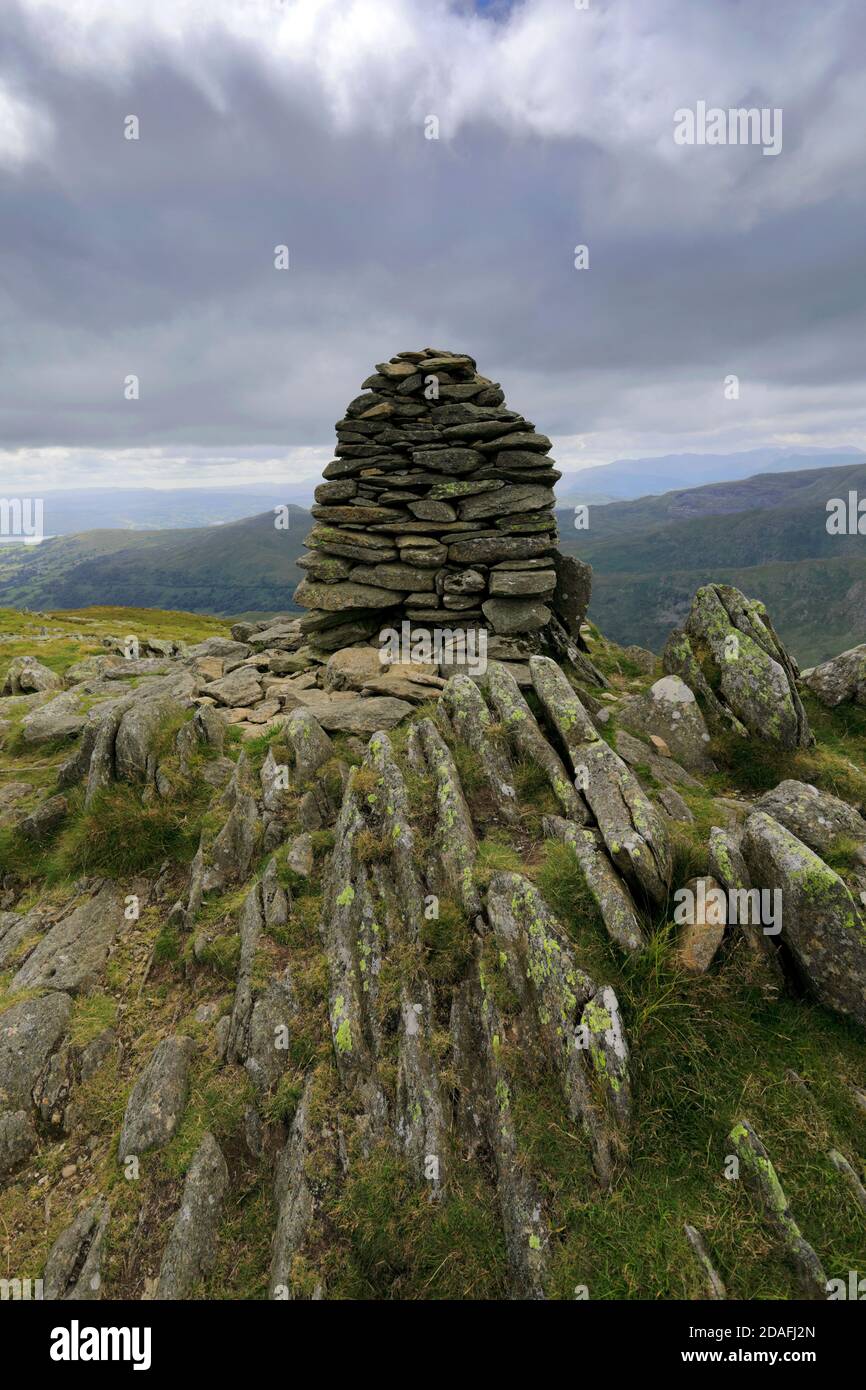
(304, 124)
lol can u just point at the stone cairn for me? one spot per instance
(438, 511)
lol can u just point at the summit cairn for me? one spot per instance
(437, 513)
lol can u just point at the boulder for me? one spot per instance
(73, 1268)
(349, 668)
(18, 1139)
(703, 934)
(71, 955)
(26, 675)
(818, 818)
(45, 820)
(729, 653)
(361, 716)
(670, 711)
(822, 924)
(60, 718)
(309, 744)
(840, 681)
(29, 1033)
(240, 688)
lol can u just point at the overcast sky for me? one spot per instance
(302, 122)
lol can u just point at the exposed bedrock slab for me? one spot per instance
(71, 955)
(29, 1033)
(192, 1243)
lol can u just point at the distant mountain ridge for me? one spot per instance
(626, 479)
(69, 511)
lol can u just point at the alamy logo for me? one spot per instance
(464, 646)
(757, 907)
(21, 519)
(77, 1343)
(21, 1290)
(854, 1288)
(738, 125)
(846, 517)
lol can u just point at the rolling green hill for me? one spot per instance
(766, 535)
(243, 566)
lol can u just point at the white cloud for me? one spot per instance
(24, 129)
(612, 75)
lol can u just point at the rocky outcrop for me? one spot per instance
(438, 1036)
(757, 1170)
(703, 933)
(631, 826)
(261, 1019)
(527, 740)
(60, 718)
(840, 681)
(579, 1022)
(822, 924)
(18, 1139)
(728, 653)
(191, 1247)
(158, 1099)
(73, 1268)
(715, 1289)
(485, 1117)
(73, 952)
(294, 1199)
(818, 818)
(670, 711)
(29, 1033)
(473, 726)
(455, 836)
(612, 898)
(26, 675)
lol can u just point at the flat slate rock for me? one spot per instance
(72, 954)
(360, 716)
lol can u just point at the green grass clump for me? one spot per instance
(117, 835)
(447, 942)
(218, 1098)
(281, 1104)
(495, 855)
(92, 1014)
(393, 1242)
(222, 955)
(843, 856)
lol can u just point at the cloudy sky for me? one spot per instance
(305, 123)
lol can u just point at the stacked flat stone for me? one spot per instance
(438, 509)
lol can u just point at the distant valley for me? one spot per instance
(766, 534)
